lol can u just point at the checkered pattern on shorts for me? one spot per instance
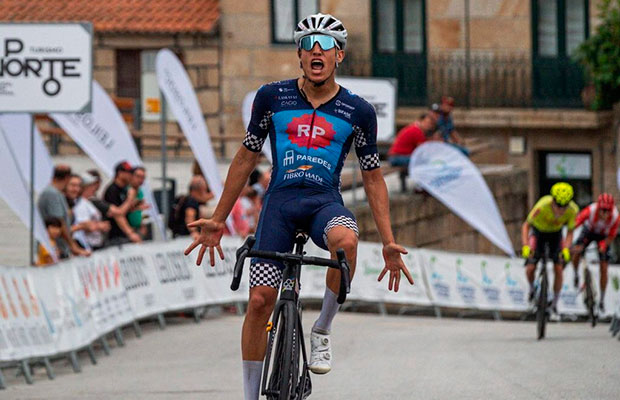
(265, 274)
(253, 142)
(369, 161)
(341, 220)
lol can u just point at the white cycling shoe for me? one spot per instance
(320, 353)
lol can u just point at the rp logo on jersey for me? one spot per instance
(305, 132)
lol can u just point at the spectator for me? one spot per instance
(116, 194)
(107, 210)
(85, 212)
(187, 208)
(52, 203)
(445, 124)
(54, 230)
(251, 207)
(259, 181)
(409, 138)
(134, 216)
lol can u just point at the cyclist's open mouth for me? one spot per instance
(316, 65)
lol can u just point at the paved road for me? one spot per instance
(375, 358)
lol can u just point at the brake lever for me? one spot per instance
(345, 277)
(241, 254)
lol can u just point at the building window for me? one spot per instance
(284, 17)
(561, 26)
(136, 79)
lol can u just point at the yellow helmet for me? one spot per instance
(562, 193)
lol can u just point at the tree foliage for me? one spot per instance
(600, 56)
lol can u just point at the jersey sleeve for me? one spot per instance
(614, 229)
(574, 210)
(531, 217)
(260, 122)
(582, 216)
(365, 140)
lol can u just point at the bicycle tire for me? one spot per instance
(590, 298)
(281, 382)
(541, 312)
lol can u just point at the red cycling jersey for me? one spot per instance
(591, 221)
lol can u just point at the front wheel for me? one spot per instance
(541, 312)
(282, 382)
(590, 304)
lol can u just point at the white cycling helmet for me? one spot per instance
(324, 24)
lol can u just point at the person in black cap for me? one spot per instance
(116, 194)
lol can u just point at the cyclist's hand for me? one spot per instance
(394, 263)
(210, 234)
(526, 251)
(566, 254)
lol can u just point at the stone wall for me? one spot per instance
(422, 221)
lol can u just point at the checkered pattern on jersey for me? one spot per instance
(264, 123)
(341, 220)
(253, 142)
(359, 138)
(265, 274)
(369, 161)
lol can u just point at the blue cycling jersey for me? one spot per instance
(309, 145)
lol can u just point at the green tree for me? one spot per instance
(600, 56)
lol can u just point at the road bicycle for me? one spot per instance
(286, 375)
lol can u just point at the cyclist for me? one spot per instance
(600, 225)
(543, 226)
(310, 124)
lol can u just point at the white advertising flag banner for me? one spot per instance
(46, 67)
(16, 129)
(104, 136)
(16, 193)
(246, 114)
(180, 95)
(453, 179)
(381, 93)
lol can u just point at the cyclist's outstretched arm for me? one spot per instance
(377, 194)
(211, 229)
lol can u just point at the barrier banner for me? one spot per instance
(52, 310)
(67, 313)
(453, 179)
(140, 281)
(23, 331)
(178, 280)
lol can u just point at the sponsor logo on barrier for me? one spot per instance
(568, 295)
(441, 289)
(465, 289)
(132, 270)
(171, 267)
(8, 295)
(516, 294)
(491, 293)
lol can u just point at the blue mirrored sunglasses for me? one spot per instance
(326, 42)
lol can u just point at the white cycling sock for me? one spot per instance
(328, 311)
(252, 371)
(556, 297)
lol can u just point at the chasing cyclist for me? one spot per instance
(310, 123)
(600, 225)
(543, 226)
